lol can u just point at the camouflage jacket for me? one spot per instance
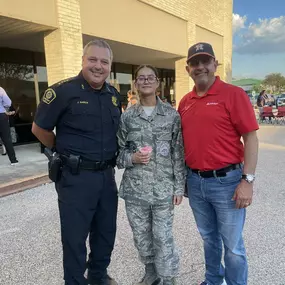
(165, 174)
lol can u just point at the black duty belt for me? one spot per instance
(88, 165)
(96, 165)
(217, 173)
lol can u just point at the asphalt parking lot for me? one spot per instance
(30, 249)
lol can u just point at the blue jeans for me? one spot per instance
(219, 222)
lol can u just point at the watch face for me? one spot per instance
(249, 178)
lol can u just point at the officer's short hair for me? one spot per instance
(98, 43)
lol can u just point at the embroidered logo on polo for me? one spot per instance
(212, 103)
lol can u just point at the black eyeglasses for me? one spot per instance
(142, 79)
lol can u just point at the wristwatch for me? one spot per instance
(249, 178)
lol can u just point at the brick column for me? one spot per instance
(63, 47)
(228, 43)
(181, 80)
(184, 83)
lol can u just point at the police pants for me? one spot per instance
(152, 231)
(5, 136)
(87, 205)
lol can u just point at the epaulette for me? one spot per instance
(111, 88)
(70, 79)
(114, 91)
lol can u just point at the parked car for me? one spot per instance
(280, 101)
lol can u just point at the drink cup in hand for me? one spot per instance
(143, 155)
(146, 150)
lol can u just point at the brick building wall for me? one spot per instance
(213, 16)
(63, 47)
(208, 21)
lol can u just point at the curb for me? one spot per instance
(23, 184)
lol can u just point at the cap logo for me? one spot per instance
(199, 47)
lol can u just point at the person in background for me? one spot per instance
(131, 94)
(133, 100)
(11, 113)
(262, 101)
(124, 107)
(151, 151)
(5, 133)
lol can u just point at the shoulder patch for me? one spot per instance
(49, 96)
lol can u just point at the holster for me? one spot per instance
(55, 168)
(73, 162)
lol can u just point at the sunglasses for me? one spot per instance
(203, 60)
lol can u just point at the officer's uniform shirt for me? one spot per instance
(86, 119)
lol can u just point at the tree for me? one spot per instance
(257, 88)
(16, 71)
(274, 82)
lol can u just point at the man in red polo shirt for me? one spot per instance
(221, 170)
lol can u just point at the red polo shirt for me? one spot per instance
(212, 126)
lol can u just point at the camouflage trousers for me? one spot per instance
(152, 231)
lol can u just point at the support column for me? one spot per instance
(36, 80)
(228, 43)
(63, 47)
(183, 83)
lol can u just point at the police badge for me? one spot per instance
(115, 101)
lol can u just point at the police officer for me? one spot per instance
(85, 111)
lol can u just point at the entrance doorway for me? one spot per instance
(23, 76)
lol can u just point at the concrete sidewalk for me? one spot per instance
(30, 172)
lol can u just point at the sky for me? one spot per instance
(258, 38)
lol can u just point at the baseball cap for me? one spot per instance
(200, 48)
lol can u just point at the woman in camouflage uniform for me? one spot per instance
(151, 151)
